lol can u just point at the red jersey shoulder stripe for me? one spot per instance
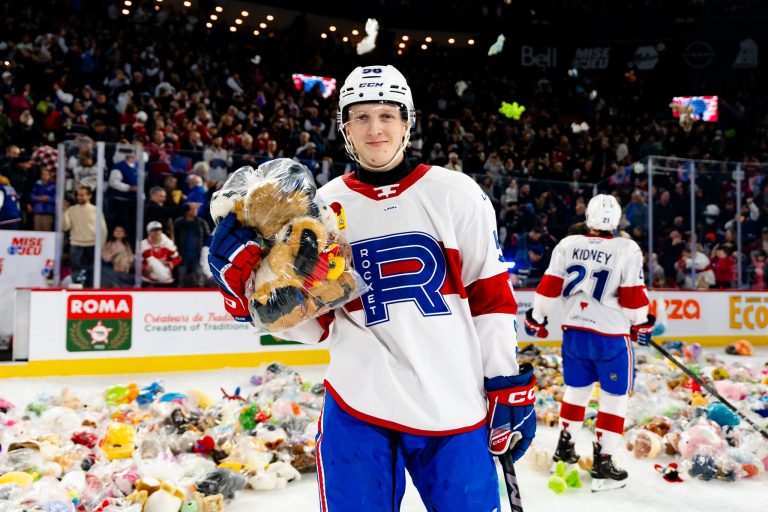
(491, 295)
(550, 286)
(633, 297)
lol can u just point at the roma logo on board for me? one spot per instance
(97, 322)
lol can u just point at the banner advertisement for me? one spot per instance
(668, 56)
(712, 317)
(26, 257)
(77, 324)
(127, 323)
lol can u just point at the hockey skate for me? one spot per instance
(566, 450)
(605, 474)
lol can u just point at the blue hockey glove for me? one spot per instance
(534, 328)
(235, 253)
(512, 422)
(641, 333)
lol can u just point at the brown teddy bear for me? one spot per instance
(305, 271)
(304, 275)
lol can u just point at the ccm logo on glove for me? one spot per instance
(516, 396)
(522, 397)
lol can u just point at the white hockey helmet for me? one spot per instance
(375, 84)
(603, 213)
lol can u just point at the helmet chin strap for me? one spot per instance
(350, 147)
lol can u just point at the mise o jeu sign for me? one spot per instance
(97, 322)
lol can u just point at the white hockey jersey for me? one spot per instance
(411, 354)
(600, 280)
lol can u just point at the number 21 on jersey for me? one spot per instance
(577, 274)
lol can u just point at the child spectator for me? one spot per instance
(159, 256)
(44, 201)
(724, 267)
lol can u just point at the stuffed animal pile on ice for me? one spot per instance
(671, 416)
(144, 449)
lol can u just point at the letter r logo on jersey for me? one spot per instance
(405, 267)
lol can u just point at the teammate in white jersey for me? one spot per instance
(598, 279)
(417, 359)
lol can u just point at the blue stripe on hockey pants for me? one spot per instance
(362, 467)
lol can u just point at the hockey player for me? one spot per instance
(598, 278)
(418, 358)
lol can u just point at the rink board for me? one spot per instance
(78, 332)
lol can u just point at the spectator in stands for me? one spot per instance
(118, 259)
(756, 272)
(531, 240)
(437, 156)
(219, 159)
(750, 229)
(671, 253)
(724, 267)
(636, 212)
(308, 157)
(20, 173)
(25, 132)
(493, 166)
(173, 195)
(122, 192)
(158, 210)
(159, 256)
(764, 239)
(160, 152)
(197, 192)
(84, 169)
(43, 197)
(695, 273)
(578, 213)
(212, 89)
(5, 125)
(510, 194)
(192, 234)
(454, 163)
(305, 142)
(315, 126)
(80, 221)
(663, 213)
(512, 218)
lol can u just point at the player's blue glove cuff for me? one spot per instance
(235, 252)
(641, 333)
(511, 418)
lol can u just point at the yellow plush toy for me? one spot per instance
(118, 441)
(305, 270)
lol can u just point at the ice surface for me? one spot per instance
(646, 490)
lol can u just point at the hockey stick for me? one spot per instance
(510, 479)
(711, 389)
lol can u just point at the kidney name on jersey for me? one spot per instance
(591, 254)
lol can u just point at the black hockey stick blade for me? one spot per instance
(510, 479)
(710, 389)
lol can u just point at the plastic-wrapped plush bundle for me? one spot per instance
(305, 269)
